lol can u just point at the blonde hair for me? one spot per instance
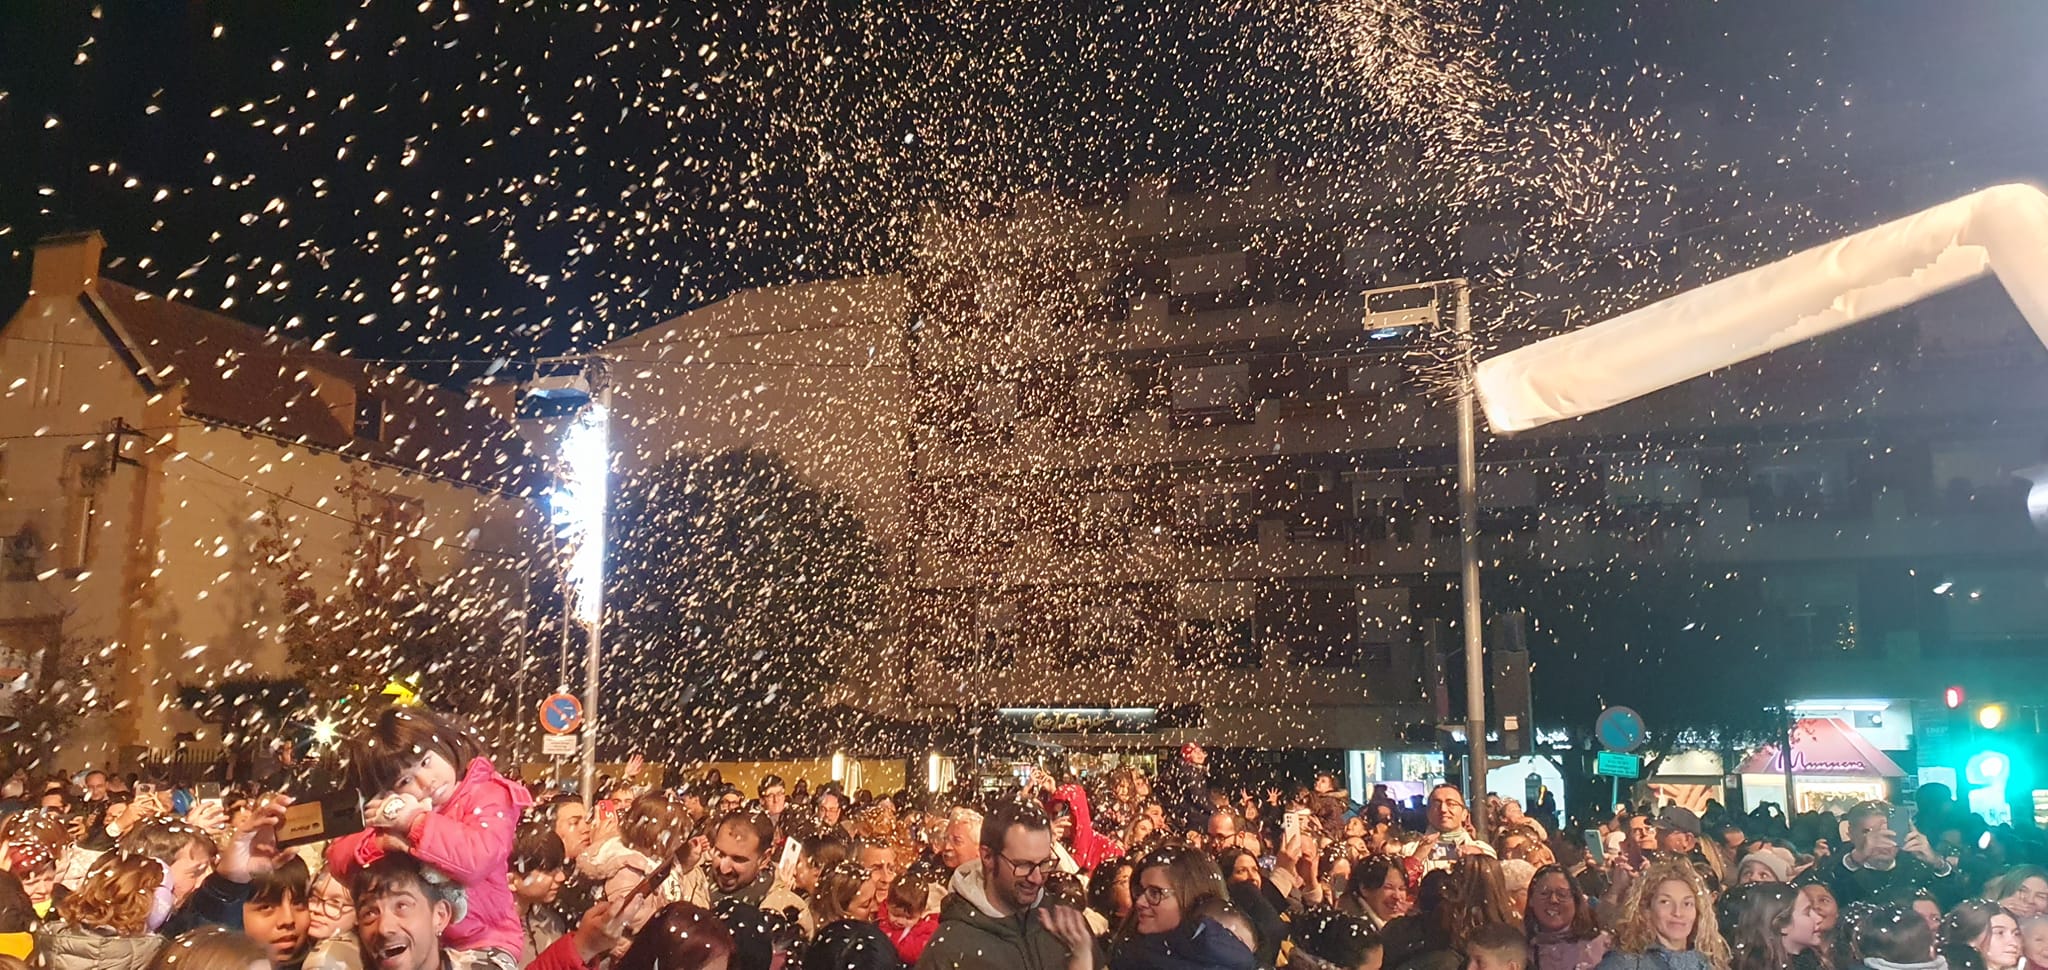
(116, 896)
(1633, 932)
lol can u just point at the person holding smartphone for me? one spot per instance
(1881, 860)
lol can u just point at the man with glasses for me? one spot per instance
(1447, 838)
(996, 917)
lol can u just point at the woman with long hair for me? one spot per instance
(1772, 926)
(2022, 891)
(1474, 895)
(1666, 922)
(110, 921)
(1560, 924)
(1978, 935)
(1170, 887)
(1377, 892)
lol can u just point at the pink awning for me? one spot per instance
(1824, 746)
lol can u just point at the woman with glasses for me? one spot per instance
(1164, 931)
(333, 926)
(1560, 923)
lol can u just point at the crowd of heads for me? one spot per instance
(700, 873)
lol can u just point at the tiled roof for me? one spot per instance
(241, 376)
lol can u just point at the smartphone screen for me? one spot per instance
(1596, 847)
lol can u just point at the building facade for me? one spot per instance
(1188, 453)
(200, 514)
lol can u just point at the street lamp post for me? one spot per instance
(1468, 549)
(585, 469)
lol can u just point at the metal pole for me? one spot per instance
(1791, 729)
(1468, 556)
(594, 642)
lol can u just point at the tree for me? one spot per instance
(735, 593)
(384, 618)
(66, 681)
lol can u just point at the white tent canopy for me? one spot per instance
(2001, 230)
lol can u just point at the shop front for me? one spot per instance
(1833, 767)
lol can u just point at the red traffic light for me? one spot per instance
(1953, 697)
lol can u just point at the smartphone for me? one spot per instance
(1291, 823)
(1596, 847)
(207, 791)
(1902, 820)
(320, 816)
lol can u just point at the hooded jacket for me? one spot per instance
(1193, 945)
(1090, 848)
(66, 948)
(974, 934)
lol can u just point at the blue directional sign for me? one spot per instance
(561, 714)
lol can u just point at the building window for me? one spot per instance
(369, 417)
(1216, 394)
(1215, 513)
(1104, 519)
(1647, 482)
(1207, 273)
(1383, 624)
(1317, 626)
(1217, 631)
(995, 407)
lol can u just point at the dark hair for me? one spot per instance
(210, 947)
(838, 889)
(1336, 938)
(995, 828)
(849, 945)
(1226, 860)
(1499, 938)
(397, 872)
(289, 879)
(767, 782)
(1965, 923)
(374, 760)
(1754, 918)
(826, 849)
(1102, 886)
(655, 825)
(1584, 926)
(1894, 934)
(164, 839)
(1371, 873)
(17, 913)
(757, 824)
(683, 936)
(536, 848)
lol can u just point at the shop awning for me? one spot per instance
(1824, 746)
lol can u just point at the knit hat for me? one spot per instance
(1770, 858)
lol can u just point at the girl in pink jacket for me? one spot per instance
(439, 799)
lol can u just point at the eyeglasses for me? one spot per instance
(332, 908)
(1025, 870)
(1154, 895)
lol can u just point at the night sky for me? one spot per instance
(468, 181)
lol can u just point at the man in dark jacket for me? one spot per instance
(995, 918)
(1874, 863)
(1184, 787)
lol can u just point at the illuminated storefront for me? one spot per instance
(1833, 768)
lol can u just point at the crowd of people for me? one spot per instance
(454, 866)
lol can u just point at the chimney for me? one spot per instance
(65, 264)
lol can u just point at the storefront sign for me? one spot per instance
(1080, 720)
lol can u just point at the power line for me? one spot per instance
(371, 526)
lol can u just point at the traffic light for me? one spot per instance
(1991, 716)
(1953, 697)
